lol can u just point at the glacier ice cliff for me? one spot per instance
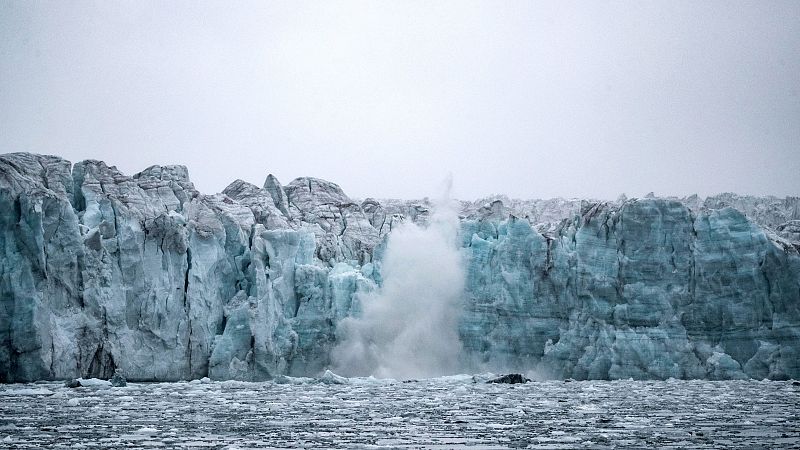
(102, 271)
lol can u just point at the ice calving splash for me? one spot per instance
(409, 327)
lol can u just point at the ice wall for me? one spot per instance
(644, 290)
(143, 273)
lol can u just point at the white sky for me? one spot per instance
(530, 99)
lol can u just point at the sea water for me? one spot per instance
(447, 412)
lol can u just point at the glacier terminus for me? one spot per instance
(102, 272)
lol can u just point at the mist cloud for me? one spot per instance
(409, 327)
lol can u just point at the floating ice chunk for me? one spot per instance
(458, 378)
(331, 378)
(27, 391)
(94, 382)
(283, 379)
(371, 380)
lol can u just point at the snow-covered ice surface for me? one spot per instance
(448, 412)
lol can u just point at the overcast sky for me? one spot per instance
(530, 99)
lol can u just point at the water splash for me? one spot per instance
(409, 327)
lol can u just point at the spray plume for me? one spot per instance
(409, 327)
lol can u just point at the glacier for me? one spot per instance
(104, 272)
